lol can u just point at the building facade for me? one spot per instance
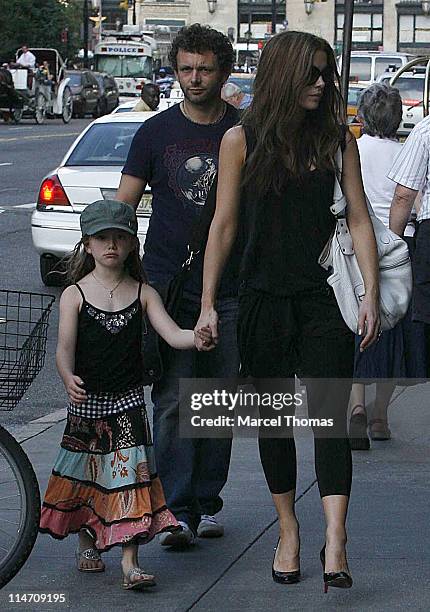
(389, 25)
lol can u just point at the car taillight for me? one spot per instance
(51, 193)
(411, 102)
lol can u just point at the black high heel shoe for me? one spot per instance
(284, 577)
(342, 580)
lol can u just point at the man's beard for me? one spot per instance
(203, 100)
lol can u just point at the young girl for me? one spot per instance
(104, 483)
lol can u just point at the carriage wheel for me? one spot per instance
(67, 111)
(40, 110)
(17, 114)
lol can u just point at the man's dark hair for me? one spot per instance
(198, 39)
(151, 86)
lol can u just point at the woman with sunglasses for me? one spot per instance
(275, 189)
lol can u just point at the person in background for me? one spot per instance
(232, 94)
(149, 98)
(46, 79)
(411, 171)
(399, 353)
(165, 82)
(27, 59)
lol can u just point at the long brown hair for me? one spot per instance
(80, 263)
(285, 147)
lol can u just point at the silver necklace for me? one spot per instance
(110, 291)
(217, 120)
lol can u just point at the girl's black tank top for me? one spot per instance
(283, 235)
(108, 348)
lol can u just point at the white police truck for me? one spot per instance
(128, 59)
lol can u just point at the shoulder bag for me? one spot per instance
(338, 257)
(155, 351)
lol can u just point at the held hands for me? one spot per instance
(206, 330)
(203, 340)
(369, 324)
(76, 393)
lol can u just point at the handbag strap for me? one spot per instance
(338, 208)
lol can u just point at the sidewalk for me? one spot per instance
(388, 550)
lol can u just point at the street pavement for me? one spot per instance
(27, 153)
(388, 526)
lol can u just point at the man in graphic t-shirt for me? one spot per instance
(176, 153)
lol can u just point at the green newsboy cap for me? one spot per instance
(108, 214)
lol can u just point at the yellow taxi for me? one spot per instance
(354, 92)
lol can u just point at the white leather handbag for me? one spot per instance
(338, 257)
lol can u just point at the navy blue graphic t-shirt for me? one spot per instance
(179, 160)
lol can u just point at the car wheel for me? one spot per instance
(67, 109)
(98, 110)
(17, 114)
(52, 271)
(79, 111)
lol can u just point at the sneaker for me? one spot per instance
(178, 539)
(209, 527)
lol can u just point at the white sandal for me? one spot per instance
(89, 554)
(146, 580)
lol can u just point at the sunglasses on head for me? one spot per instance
(316, 73)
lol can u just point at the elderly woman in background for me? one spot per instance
(399, 354)
(232, 94)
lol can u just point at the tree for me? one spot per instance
(40, 23)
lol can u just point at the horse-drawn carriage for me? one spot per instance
(43, 92)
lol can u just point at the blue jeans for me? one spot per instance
(194, 471)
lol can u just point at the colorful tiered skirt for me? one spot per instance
(104, 480)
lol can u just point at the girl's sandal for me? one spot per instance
(144, 580)
(358, 439)
(382, 432)
(90, 554)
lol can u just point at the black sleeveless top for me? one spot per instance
(108, 348)
(284, 234)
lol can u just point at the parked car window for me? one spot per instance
(92, 79)
(354, 94)
(382, 64)
(104, 143)
(124, 109)
(411, 89)
(75, 79)
(360, 69)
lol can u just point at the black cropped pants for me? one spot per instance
(303, 335)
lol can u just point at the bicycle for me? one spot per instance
(24, 320)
